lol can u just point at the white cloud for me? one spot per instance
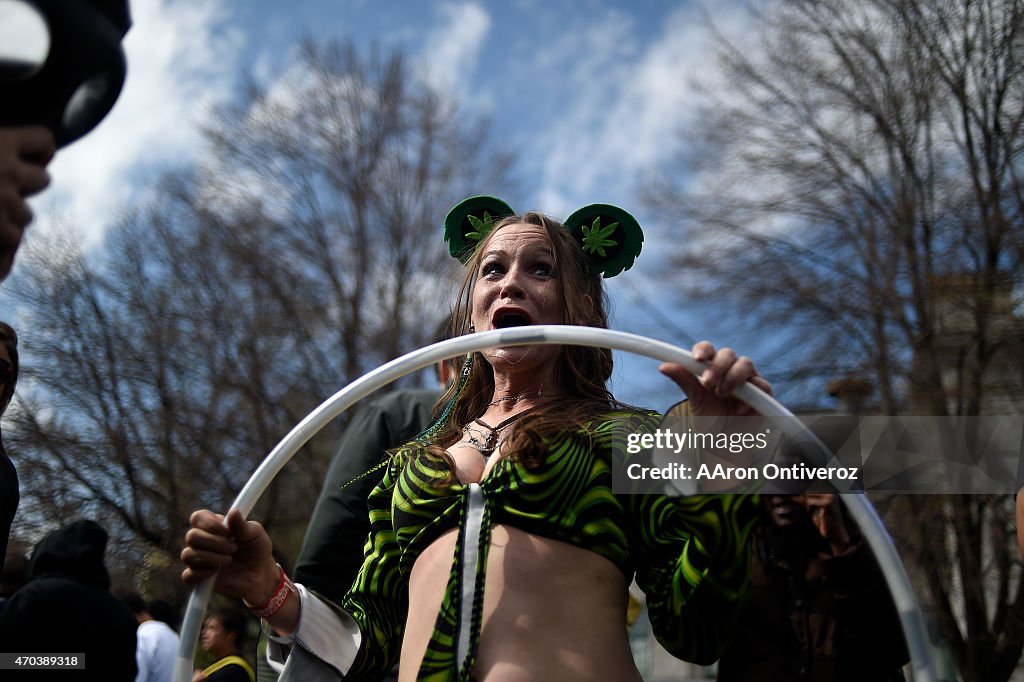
(182, 57)
(625, 107)
(598, 62)
(452, 48)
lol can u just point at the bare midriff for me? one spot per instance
(551, 611)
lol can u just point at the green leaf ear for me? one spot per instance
(470, 221)
(610, 237)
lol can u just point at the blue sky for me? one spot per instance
(590, 92)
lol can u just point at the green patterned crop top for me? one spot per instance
(693, 597)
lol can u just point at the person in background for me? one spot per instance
(164, 612)
(819, 608)
(157, 646)
(9, 493)
(222, 636)
(66, 608)
(332, 550)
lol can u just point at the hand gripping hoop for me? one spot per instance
(857, 504)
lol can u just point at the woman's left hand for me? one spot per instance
(711, 393)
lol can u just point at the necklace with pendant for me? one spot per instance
(489, 441)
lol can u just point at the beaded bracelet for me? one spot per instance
(285, 588)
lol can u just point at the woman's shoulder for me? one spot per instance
(625, 416)
(620, 410)
(640, 415)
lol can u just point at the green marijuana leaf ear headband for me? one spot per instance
(611, 238)
(470, 221)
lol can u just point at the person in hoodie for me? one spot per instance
(66, 608)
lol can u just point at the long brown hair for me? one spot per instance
(582, 372)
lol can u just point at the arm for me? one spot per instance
(694, 563)
(314, 638)
(379, 598)
(694, 567)
(238, 555)
(692, 558)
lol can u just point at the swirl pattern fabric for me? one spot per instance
(691, 556)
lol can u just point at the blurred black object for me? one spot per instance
(61, 63)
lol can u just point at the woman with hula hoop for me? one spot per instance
(497, 549)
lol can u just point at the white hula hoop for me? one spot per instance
(857, 504)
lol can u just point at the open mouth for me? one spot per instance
(511, 318)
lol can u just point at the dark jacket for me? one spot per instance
(332, 551)
(9, 496)
(66, 608)
(812, 616)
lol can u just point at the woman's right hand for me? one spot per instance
(239, 553)
(712, 393)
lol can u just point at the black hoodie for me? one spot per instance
(8, 498)
(66, 608)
